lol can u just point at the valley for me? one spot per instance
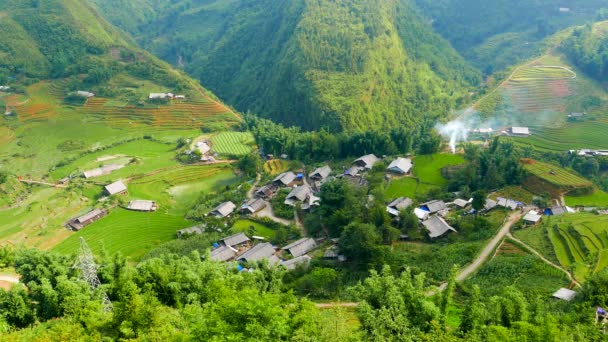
(308, 170)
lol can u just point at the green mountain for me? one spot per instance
(494, 35)
(49, 39)
(340, 65)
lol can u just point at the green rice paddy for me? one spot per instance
(233, 143)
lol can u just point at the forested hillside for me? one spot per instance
(587, 47)
(339, 65)
(47, 39)
(497, 34)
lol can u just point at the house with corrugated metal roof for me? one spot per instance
(300, 247)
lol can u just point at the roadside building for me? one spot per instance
(367, 161)
(301, 247)
(142, 205)
(401, 166)
(116, 188)
(532, 218)
(223, 210)
(253, 206)
(508, 203)
(436, 226)
(490, 204)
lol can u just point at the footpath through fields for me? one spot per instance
(545, 260)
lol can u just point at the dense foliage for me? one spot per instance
(321, 145)
(170, 297)
(491, 168)
(588, 49)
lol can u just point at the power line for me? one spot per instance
(88, 272)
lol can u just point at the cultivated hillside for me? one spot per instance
(543, 92)
(342, 65)
(49, 51)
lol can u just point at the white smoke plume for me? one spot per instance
(458, 130)
(455, 131)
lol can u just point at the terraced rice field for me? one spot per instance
(178, 115)
(555, 175)
(580, 242)
(180, 175)
(233, 143)
(538, 88)
(275, 166)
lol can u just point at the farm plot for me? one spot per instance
(597, 199)
(178, 115)
(555, 175)
(233, 143)
(428, 168)
(580, 242)
(127, 232)
(275, 166)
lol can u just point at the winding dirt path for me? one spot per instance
(485, 253)
(489, 248)
(30, 181)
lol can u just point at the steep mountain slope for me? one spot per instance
(496, 34)
(72, 83)
(314, 63)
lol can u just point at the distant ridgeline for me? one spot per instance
(343, 65)
(44, 39)
(498, 34)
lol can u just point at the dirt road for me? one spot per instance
(489, 248)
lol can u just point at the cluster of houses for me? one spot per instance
(430, 214)
(204, 147)
(240, 248)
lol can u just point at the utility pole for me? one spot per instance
(88, 272)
